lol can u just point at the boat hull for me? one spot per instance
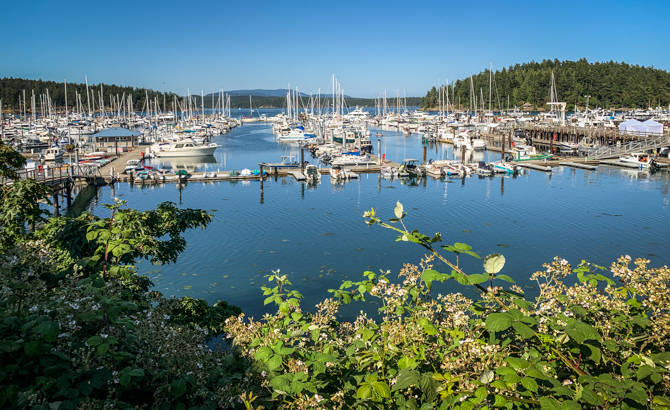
(196, 152)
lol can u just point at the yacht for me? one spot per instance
(184, 148)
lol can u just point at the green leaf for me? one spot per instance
(364, 391)
(580, 331)
(124, 379)
(570, 405)
(500, 401)
(481, 392)
(136, 372)
(382, 389)
(274, 362)
(406, 379)
(398, 211)
(494, 263)
(431, 275)
(644, 371)
(34, 348)
(505, 278)
(662, 400)
(499, 384)
(103, 348)
(178, 387)
(462, 246)
(517, 363)
(523, 330)
(529, 383)
(547, 403)
(406, 362)
(94, 341)
(48, 330)
(496, 322)
(591, 397)
(477, 278)
(428, 327)
(487, 376)
(264, 353)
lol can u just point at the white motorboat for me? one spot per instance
(434, 170)
(312, 173)
(54, 153)
(353, 160)
(388, 172)
(184, 148)
(504, 167)
(638, 158)
(336, 172)
(133, 165)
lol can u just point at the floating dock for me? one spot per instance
(578, 165)
(299, 176)
(534, 166)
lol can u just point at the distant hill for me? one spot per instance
(608, 85)
(266, 93)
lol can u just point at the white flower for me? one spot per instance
(564, 262)
(567, 382)
(104, 336)
(318, 398)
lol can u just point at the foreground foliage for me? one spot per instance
(590, 345)
(80, 329)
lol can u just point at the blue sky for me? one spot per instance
(370, 46)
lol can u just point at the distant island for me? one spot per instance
(607, 84)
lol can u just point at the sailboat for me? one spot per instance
(250, 118)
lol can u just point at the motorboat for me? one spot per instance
(638, 158)
(434, 170)
(410, 168)
(312, 172)
(529, 153)
(54, 153)
(353, 160)
(388, 172)
(133, 165)
(184, 148)
(337, 172)
(484, 169)
(504, 167)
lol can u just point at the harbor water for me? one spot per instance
(315, 233)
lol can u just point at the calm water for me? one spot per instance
(317, 235)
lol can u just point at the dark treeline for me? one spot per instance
(239, 101)
(11, 93)
(609, 85)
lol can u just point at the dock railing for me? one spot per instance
(49, 174)
(641, 145)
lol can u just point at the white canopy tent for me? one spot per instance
(637, 127)
(653, 127)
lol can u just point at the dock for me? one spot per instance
(299, 176)
(534, 166)
(578, 165)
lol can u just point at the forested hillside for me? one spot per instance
(11, 93)
(609, 84)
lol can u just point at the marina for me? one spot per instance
(313, 230)
(306, 205)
